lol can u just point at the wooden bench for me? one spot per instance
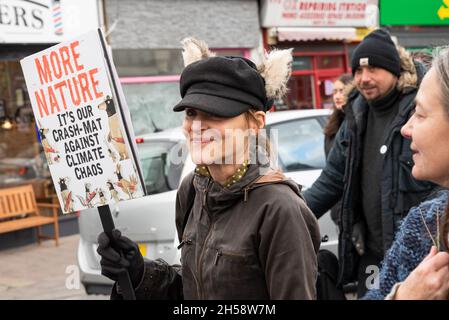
(19, 210)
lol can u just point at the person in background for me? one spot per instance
(417, 264)
(340, 91)
(369, 166)
(342, 86)
(327, 261)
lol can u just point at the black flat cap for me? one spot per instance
(223, 86)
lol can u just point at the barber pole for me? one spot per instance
(57, 17)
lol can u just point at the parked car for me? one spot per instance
(150, 221)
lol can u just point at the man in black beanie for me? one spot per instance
(369, 166)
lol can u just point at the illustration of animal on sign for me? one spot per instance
(115, 135)
(128, 186)
(113, 191)
(66, 194)
(111, 152)
(90, 196)
(48, 149)
(102, 197)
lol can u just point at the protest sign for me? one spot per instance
(84, 123)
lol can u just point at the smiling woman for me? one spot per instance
(415, 267)
(233, 218)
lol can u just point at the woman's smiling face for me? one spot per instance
(428, 129)
(215, 140)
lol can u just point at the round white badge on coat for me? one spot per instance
(383, 149)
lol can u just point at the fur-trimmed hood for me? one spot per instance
(411, 73)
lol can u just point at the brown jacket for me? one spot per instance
(255, 240)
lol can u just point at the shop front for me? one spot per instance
(323, 34)
(313, 75)
(27, 27)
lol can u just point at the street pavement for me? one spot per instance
(43, 272)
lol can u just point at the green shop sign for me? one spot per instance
(414, 12)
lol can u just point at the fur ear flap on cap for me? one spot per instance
(276, 68)
(194, 50)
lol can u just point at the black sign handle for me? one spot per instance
(124, 281)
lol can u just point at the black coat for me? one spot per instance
(340, 179)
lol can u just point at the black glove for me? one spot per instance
(119, 255)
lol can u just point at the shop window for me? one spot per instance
(22, 159)
(329, 62)
(326, 92)
(302, 63)
(301, 93)
(17, 126)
